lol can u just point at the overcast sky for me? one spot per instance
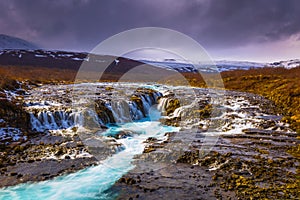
(257, 30)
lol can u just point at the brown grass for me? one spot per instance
(280, 85)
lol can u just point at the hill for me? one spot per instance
(9, 42)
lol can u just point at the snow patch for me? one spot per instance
(41, 56)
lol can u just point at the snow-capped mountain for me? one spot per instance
(286, 64)
(9, 42)
(220, 66)
(172, 65)
(225, 65)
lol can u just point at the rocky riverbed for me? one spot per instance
(248, 160)
(231, 145)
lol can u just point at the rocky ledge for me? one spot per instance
(252, 165)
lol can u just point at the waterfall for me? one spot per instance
(178, 112)
(53, 120)
(103, 112)
(135, 112)
(121, 111)
(163, 103)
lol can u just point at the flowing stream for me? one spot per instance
(91, 183)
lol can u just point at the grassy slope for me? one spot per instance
(280, 85)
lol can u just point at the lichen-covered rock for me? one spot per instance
(14, 115)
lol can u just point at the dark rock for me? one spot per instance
(151, 140)
(13, 174)
(123, 134)
(59, 152)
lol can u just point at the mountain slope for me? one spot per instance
(9, 42)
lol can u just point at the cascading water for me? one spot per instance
(119, 111)
(93, 182)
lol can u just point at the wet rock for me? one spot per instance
(60, 152)
(103, 112)
(123, 134)
(149, 149)
(151, 140)
(152, 147)
(42, 170)
(190, 157)
(13, 174)
(127, 180)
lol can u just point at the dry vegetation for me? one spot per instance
(280, 85)
(35, 74)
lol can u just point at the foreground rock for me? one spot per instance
(238, 167)
(178, 181)
(41, 170)
(251, 158)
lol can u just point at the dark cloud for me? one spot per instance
(252, 21)
(82, 24)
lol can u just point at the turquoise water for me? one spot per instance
(92, 182)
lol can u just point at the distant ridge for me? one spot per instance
(73, 60)
(286, 63)
(9, 42)
(220, 65)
